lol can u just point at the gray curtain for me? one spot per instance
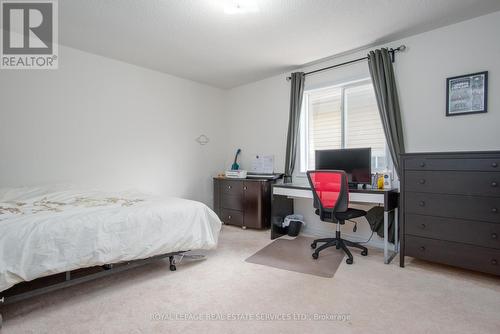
(382, 73)
(292, 139)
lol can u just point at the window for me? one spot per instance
(344, 116)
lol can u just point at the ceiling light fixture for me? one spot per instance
(241, 7)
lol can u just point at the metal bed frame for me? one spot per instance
(109, 269)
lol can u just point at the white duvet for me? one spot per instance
(45, 231)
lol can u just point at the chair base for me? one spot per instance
(338, 243)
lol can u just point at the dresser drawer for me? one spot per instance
(232, 217)
(233, 188)
(455, 254)
(423, 163)
(453, 206)
(446, 182)
(232, 202)
(452, 229)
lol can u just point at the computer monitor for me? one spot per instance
(356, 162)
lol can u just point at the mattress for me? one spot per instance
(49, 230)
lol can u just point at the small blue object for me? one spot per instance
(235, 165)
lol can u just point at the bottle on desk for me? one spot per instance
(387, 180)
(382, 180)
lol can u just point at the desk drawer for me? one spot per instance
(454, 206)
(232, 217)
(451, 229)
(464, 164)
(455, 254)
(233, 188)
(445, 182)
(232, 202)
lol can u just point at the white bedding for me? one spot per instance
(45, 231)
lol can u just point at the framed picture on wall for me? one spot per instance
(467, 94)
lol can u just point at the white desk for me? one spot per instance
(282, 193)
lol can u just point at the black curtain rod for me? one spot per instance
(391, 51)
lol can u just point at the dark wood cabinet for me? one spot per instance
(451, 209)
(243, 202)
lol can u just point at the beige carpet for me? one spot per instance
(295, 255)
(421, 298)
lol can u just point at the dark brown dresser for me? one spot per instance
(243, 202)
(451, 209)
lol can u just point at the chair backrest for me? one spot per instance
(330, 189)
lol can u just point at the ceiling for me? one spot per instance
(195, 39)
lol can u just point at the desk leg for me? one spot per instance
(388, 257)
(282, 206)
(396, 230)
(386, 237)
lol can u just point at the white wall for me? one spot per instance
(101, 121)
(463, 48)
(258, 112)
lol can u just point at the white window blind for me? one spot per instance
(325, 121)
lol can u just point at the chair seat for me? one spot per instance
(350, 214)
(346, 215)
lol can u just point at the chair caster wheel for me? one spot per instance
(315, 256)
(364, 253)
(348, 261)
(313, 245)
(172, 263)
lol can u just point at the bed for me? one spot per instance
(50, 230)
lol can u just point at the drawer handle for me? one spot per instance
(494, 262)
(422, 249)
(421, 203)
(494, 184)
(245, 188)
(229, 217)
(422, 226)
(494, 210)
(494, 164)
(422, 164)
(228, 187)
(494, 236)
(422, 181)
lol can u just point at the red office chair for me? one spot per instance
(331, 197)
